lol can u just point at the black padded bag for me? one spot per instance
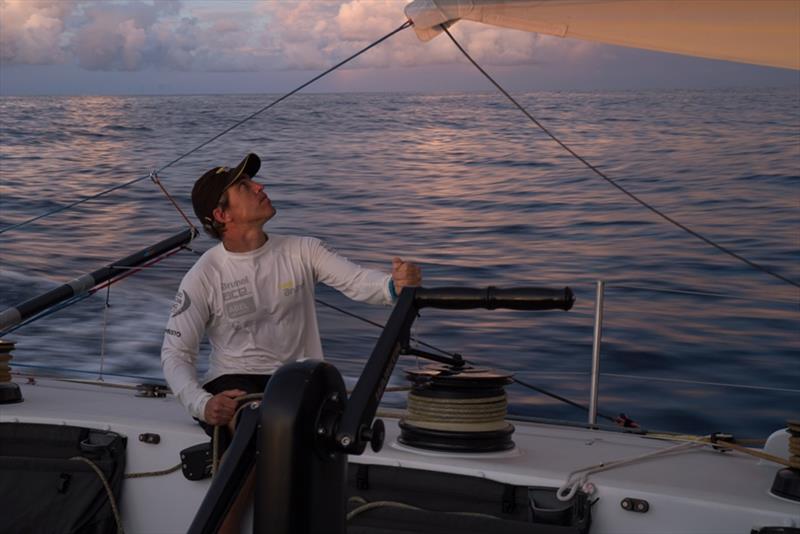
(43, 491)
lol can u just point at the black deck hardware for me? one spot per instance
(150, 437)
(630, 504)
(306, 426)
(195, 460)
(152, 391)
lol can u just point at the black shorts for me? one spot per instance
(247, 383)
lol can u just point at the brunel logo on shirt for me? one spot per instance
(238, 297)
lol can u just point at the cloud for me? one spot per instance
(31, 32)
(251, 36)
(317, 34)
(111, 36)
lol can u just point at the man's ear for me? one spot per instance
(219, 215)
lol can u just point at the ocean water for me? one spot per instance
(463, 184)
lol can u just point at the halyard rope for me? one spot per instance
(579, 478)
(159, 473)
(156, 180)
(212, 139)
(602, 175)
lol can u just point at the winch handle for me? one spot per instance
(518, 298)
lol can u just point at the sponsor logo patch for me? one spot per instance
(289, 288)
(240, 307)
(235, 290)
(172, 332)
(181, 304)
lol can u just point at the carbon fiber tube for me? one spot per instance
(520, 298)
(16, 314)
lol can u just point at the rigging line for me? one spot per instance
(701, 382)
(602, 175)
(555, 375)
(151, 379)
(287, 95)
(156, 180)
(692, 292)
(72, 205)
(211, 140)
(134, 270)
(562, 399)
(350, 314)
(378, 325)
(453, 355)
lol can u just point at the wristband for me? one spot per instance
(392, 290)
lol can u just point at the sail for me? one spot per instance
(763, 32)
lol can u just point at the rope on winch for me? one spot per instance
(605, 177)
(481, 414)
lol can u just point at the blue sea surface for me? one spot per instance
(465, 185)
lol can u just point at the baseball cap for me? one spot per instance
(208, 188)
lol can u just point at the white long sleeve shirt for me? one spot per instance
(257, 309)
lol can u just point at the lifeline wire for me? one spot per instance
(179, 158)
(602, 175)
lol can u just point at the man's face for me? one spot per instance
(248, 203)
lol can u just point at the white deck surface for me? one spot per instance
(701, 491)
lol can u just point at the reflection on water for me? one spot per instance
(464, 185)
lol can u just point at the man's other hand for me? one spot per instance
(221, 407)
(405, 273)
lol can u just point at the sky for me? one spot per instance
(74, 47)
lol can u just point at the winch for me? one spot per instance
(457, 409)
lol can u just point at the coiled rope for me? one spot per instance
(605, 177)
(209, 141)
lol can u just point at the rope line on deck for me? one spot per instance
(111, 500)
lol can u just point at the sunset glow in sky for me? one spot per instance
(257, 46)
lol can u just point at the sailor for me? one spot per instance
(253, 296)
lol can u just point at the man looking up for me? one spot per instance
(253, 295)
